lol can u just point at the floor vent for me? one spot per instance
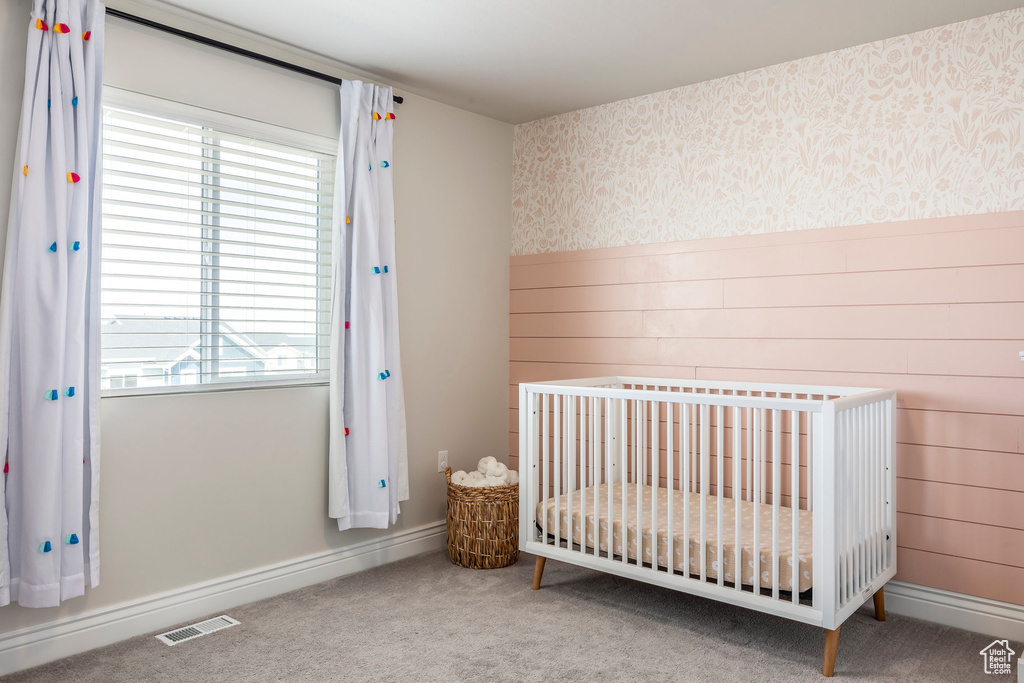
(180, 635)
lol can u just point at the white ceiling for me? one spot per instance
(519, 60)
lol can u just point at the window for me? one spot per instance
(216, 263)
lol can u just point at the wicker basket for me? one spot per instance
(483, 525)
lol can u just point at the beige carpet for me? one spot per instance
(424, 619)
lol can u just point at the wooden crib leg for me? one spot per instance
(538, 572)
(831, 645)
(880, 604)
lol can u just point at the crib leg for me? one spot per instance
(538, 572)
(831, 645)
(880, 604)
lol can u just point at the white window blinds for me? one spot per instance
(216, 255)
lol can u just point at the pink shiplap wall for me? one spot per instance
(932, 308)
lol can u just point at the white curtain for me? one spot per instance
(369, 471)
(49, 315)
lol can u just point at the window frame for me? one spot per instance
(238, 125)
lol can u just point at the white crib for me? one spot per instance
(609, 464)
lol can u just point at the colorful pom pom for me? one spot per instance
(376, 270)
(390, 116)
(384, 164)
(41, 25)
(74, 177)
(75, 246)
(385, 269)
(348, 219)
(87, 35)
(346, 324)
(61, 28)
(45, 547)
(69, 391)
(346, 431)
(376, 116)
(53, 248)
(52, 395)
(74, 101)
(382, 484)
(24, 170)
(71, 539)
(6, 468)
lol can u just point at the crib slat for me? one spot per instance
(655, 482)
(841, 513)
(865, 476)
(737, 487)
(637, 469)
(720, 493)
(758, 415)
(794, 502)
(810, 462)
(879, 470)
(670, 457)
(601, 462)
(750, 454)
(595, 472)
(533, 457)
(862, 502)
(557, 424)
(684, 447)
(776, 496)
(570, 464)
(857, 499)
(880, 486)
(872, 468)
(584, 473)
(852, 508)
(545, 492)
(624, 536)
(890, 482)
(873, 479)
(763, 434)
(705, 466)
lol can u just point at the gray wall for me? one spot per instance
(201, 486)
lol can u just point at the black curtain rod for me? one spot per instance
(227, 47)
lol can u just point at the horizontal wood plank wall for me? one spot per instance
(931, 308)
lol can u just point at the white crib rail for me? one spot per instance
(673, 439)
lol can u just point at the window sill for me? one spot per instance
(214, 387)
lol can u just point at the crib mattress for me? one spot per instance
(746, 510)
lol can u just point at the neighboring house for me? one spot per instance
(148, 351)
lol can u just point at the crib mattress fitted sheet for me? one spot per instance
(600, 520)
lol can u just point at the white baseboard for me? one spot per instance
(32, 646)
(991, 617)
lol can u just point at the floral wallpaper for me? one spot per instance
(925, 125)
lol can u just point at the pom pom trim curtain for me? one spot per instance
(49, 315)
(369, 472)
